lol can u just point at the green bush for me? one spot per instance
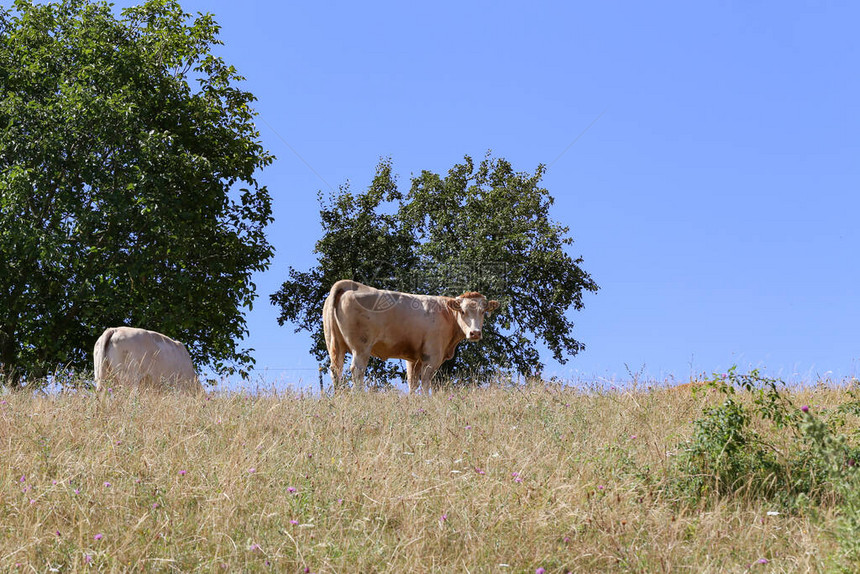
(759, 444)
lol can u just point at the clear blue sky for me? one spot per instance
(715, 200)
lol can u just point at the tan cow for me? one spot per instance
(137, 357)
(423, 330)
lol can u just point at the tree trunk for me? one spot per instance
(9, 374)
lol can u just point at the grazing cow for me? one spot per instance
(423, 330)
(137, 357)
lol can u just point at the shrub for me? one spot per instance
(759, 444)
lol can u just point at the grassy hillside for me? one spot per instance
(490, 480)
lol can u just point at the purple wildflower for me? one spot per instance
(98, 536)
(182, 472)
(805, 408)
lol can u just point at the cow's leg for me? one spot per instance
(335, 369)
(428, 369)
(358, 366)
(413, 375)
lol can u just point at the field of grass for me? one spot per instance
(528, 479)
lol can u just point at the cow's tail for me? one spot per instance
(334, 340)
(100, 358)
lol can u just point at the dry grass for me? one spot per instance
(489, 480)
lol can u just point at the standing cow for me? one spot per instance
(423, 330)
(137, 357)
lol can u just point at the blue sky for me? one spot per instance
(714, 199)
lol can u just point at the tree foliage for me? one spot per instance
(128, 194)
(485, 228)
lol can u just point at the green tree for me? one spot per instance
(128, 193)
(485, 228)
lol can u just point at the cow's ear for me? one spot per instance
(492, 306)
(454, 305)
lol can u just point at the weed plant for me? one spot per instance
(758, 444)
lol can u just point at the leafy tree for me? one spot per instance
(485, 228)
(127, 184)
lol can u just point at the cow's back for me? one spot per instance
(143, 358)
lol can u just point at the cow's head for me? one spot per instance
(470, 309)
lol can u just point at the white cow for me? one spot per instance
(137, 357)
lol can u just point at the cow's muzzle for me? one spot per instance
(474, 335)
